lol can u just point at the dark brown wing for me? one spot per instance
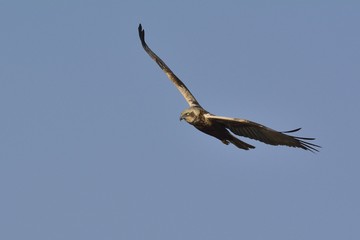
(246, 128)
(178, 83)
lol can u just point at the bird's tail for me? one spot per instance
(240, 144)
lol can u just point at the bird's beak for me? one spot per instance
(181, 118)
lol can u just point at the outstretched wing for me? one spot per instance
(178, 83)
(246, 128)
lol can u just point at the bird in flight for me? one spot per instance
(223, 127)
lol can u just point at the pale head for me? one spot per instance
(190, 114)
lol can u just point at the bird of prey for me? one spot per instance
(222, 127)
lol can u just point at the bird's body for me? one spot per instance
(197, 116)
(222, 127)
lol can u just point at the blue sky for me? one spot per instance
(92, 146)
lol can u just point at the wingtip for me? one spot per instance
(141, 31)
(291, 131)
(142, 35)
(307, 145)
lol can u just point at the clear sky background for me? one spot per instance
(92, 146)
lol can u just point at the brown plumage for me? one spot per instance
(220, 127)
